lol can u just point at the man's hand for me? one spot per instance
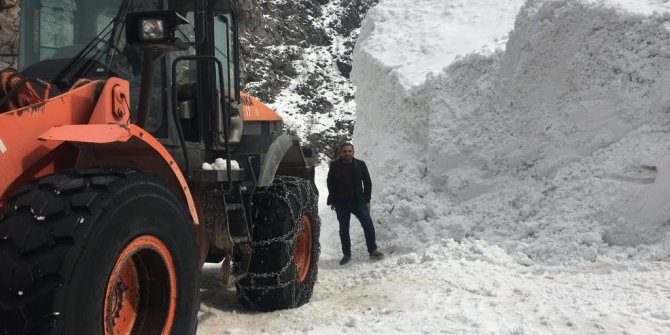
(368, 204)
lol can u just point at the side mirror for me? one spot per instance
(155, 29)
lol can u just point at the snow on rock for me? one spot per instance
(318, 102)
(553, 149)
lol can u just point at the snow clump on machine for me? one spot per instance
(220, 164)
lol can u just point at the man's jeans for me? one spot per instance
(344, 209)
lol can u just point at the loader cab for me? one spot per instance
(203, 98)
(201, 82)
(64, 40)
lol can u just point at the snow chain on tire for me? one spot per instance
(278, 214)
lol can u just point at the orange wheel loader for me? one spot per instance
(129, 158)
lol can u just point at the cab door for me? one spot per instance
(225, 49)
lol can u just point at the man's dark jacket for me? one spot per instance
(362, 182)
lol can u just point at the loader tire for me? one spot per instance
(97, 252)
(286, 249)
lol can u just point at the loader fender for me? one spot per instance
(114, 145)
(23, 157)
(285, 157)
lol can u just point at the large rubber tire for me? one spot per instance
(286, 248)
(81, 250)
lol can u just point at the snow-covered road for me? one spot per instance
(452, 288)
(469, 287)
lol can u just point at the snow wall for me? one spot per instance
(555, 149)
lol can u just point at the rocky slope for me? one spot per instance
(9, 21)
(297, 56)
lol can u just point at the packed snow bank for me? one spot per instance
(553, 149)
(417, 38)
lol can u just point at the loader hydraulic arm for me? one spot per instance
(17, 91)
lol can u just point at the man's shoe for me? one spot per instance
(345, 259)
(376, 254)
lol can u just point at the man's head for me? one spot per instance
(347, 152)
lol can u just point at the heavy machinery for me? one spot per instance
(109, 205)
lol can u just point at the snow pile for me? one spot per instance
(428, 34)
(554, 149)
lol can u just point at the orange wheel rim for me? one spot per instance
(141, 290)
(303, 250)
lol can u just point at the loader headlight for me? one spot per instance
(152, 30)
(155, 29)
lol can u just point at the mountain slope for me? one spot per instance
(297, 56)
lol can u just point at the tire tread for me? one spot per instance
(40, 232)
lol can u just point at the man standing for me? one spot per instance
(349, 192)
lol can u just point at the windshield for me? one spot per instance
(63, 40)
(61, 29)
